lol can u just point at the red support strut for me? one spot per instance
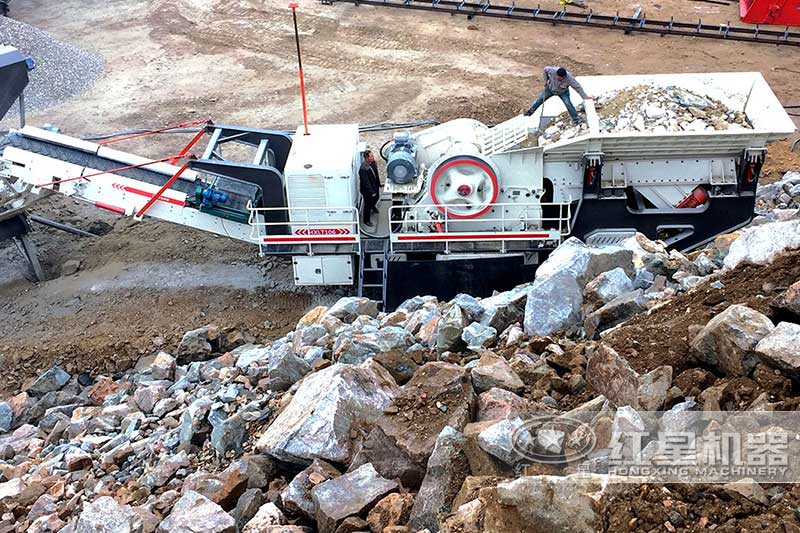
(163, 188)
(183, 153)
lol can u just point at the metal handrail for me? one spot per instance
(445, 219)
(505, 135)
(258, 222)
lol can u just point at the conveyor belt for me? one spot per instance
(239, 192)
(611, 22)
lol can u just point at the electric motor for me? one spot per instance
(401, 167)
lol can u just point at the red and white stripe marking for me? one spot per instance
(308, 239)
(441, 237)
(140, 192)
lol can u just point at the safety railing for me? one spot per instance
(311, 227)
(505, 135)
(517, 222)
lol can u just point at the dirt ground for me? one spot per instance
(690, 508)
(642, 340)
(168, 61)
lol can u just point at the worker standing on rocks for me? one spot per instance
(557, 81)
(370, 185)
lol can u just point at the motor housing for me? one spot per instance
(402, 167)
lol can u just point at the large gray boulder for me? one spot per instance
(391, 461)
(228, 433)
(327, 404)
(163, 367)
(285, 368)
(306, 337)
(471, 306)
(50, 381)
(197, 342)
(194, 513)
(348, 495)
(477, 336)
(504, 439)
(6, 417)
(194, 420)
(607, 286)
(296, 497)
(446, 471)
(750, 489)
(570, 504)
(415, 303)
(555, 297)
(349, 308)
(147, 396)
(729, 339)
(504, 309)
(761, 244)
(450, 329)
(585, 262)
(781, 348)
(614, 312)
(553, 305)
(354, 347)
(268, 515)
(105, 515)
(252, 354)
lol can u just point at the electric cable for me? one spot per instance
(382, 126)
(383, 156)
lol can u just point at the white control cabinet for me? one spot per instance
(323, 270)
(321, 175)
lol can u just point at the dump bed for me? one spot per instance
(747, 92)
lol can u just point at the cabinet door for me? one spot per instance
(337, 270)
(308, 270)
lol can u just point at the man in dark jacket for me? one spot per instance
(370, 185)
(557, 82)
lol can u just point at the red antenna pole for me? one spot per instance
(294, 7)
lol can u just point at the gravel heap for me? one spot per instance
(62, 70)
(645, 108)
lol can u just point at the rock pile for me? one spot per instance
(400, 422)
(783, 194)
(62, 70)
(646, 108)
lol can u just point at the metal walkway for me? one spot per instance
(612, 22)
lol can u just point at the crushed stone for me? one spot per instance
(650, 109)
(62, 71)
